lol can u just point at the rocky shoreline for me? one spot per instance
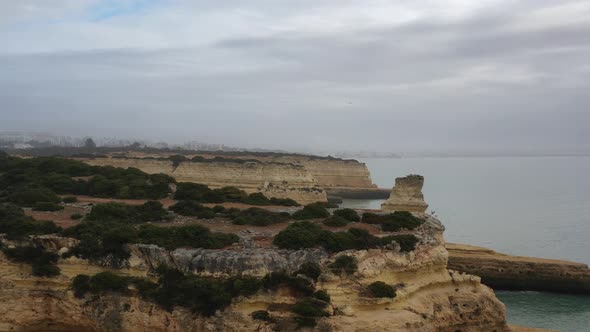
(506, 272)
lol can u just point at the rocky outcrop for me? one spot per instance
(502, 271)
(271, 179)
(406, 195)
(429, 297)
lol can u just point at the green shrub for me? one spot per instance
(303, 234)
(322, 295)
(218, 209)
(30, 196)
(16, 225)
(348, 214)
(256, 199)
(310, 269)
(47, 206)
(283, 202)
(70, 199)
(381, 289)
(310, 307)
(76, 216)
(344, 264)
(393, 222)
(108, 282)
(311, 211)
(190, 191)
(244, 285)
(258, 217)
(261, 315)
(81, 285)
(192, 208)
(149, 211)
(274, 280)
(407, 242)
(335, 221)
(42, 262)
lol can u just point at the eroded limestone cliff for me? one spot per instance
(429, 296)
(519, 273)
(406, 195)
(271, 179)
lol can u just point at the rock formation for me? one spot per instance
(429, 297)
(406, 195)
(271, 179)
(519, 273)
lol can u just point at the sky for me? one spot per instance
(344, 75)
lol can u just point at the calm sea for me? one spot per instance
(530, 206)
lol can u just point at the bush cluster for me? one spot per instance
(194, 209)
(107, 239)
(200, 294)
(393, 222)
(348, 214)
(42, 262)
(149, 211)
(311, 211)
(203, 194)
(257, 217)
(305, 234)
(344, 264)
(29, 181)
(335, 221)
(47, 206)
(16, 225)
(381, 289)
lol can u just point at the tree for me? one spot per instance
(89, 143)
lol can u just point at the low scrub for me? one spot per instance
(149, 211)
(311, 211)
(258, 217)
(16, 225)
(381, 289)
(335, 221)
(348, 214)
(393, 222)
(344, 264)
(47, 206)
(192, 208)
(42, 262)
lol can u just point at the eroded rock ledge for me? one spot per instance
(508, 272)
(429, 297)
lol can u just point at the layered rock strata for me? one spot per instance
(406, 195)
(271, 179)
(429, 297)
(502, 271)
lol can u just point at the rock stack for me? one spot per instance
(406, 195)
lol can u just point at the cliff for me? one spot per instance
(406, 195)
(271, 179)
(429, 296)
(502, 271)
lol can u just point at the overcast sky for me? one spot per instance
(307, 74)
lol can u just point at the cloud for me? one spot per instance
(377, 75)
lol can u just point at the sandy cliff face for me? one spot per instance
(272, 179)
(429, 297)
(516, 272)
(406, 195)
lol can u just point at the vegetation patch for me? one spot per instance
(311, 211)
(393, 222)
(203, 194)
(149, 211)
(310, 269)
(348, 214)
(305, 234)
(47, 206)
(192, 208)
(335, 221)
(16, 225)
(344, 264)
(42, 262)
(257, 217)
(381, 289)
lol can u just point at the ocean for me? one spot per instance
(529, 206)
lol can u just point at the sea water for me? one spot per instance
(529, 206)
